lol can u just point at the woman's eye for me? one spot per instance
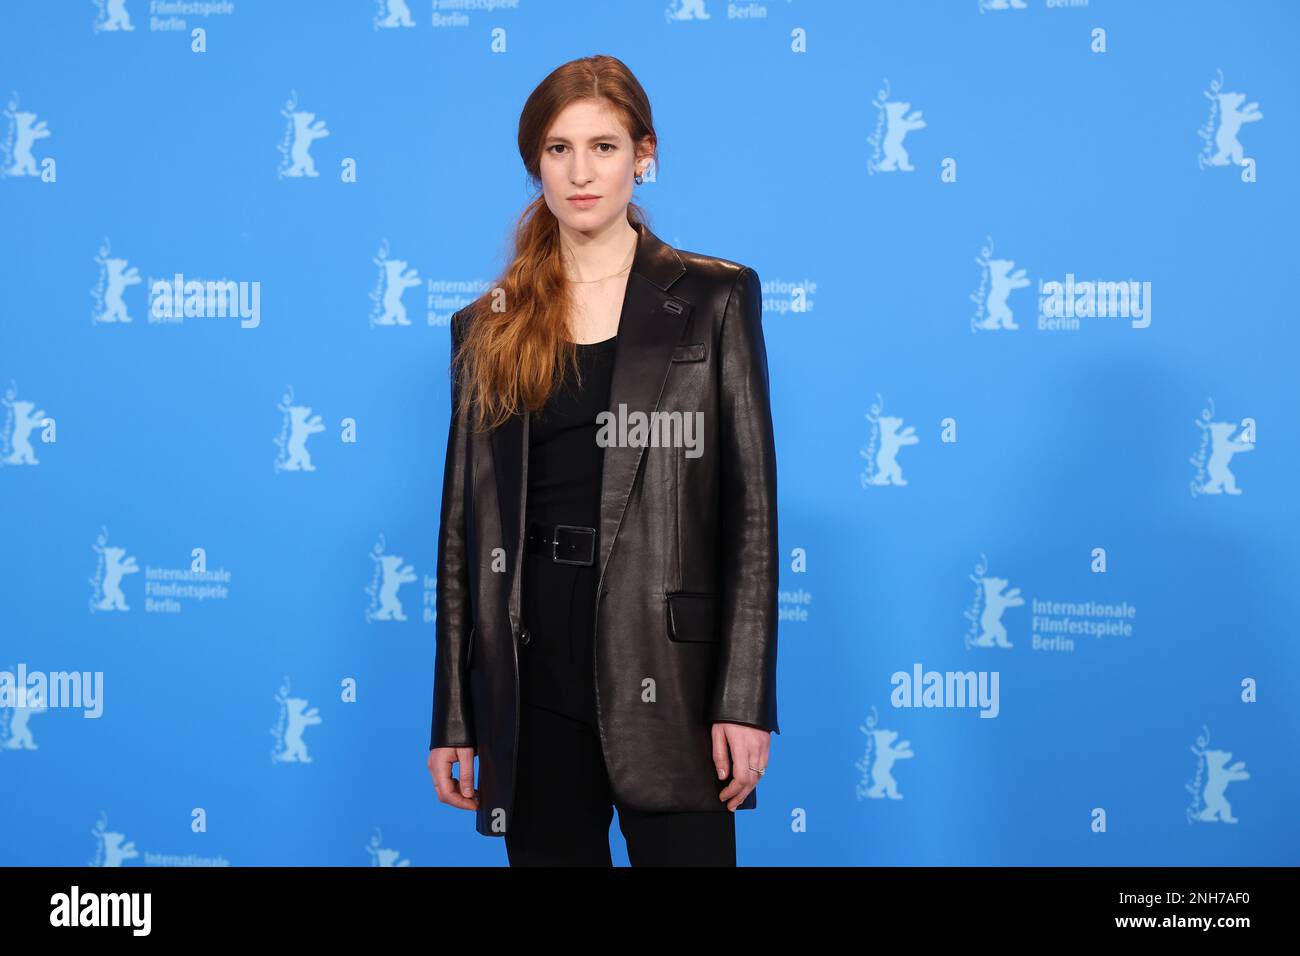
(611, 146)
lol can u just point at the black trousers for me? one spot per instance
(563, 803)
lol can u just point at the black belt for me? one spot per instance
(562, 543)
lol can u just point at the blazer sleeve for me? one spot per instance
(453, 712)
(745, 689)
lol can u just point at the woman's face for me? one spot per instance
(587, 152)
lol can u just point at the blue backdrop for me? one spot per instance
(1039, 560)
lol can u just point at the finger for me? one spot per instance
(440, 771)
(433, 771)
(745, 791)
(739, 775)
(720, 752)
(764, 754)
(747, 776)
(739, 789)
(465, 756)
(446, 786)
(736, 791)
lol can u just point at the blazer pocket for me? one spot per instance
(689, 353)
(692, 616)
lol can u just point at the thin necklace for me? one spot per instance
(611, 275)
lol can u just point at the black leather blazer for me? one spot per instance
(686, 609)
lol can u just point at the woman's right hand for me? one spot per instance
(457, 793)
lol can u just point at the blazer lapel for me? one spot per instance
(650, 325)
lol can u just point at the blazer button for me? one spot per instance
(524, 636)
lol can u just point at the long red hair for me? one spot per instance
(517, 345)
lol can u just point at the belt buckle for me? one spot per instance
(555, 543)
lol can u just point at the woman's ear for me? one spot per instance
(645, 152)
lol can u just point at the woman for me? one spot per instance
(632, 664)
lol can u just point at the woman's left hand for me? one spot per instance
(739, 750)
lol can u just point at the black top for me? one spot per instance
(564, 472)
(564, 461)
